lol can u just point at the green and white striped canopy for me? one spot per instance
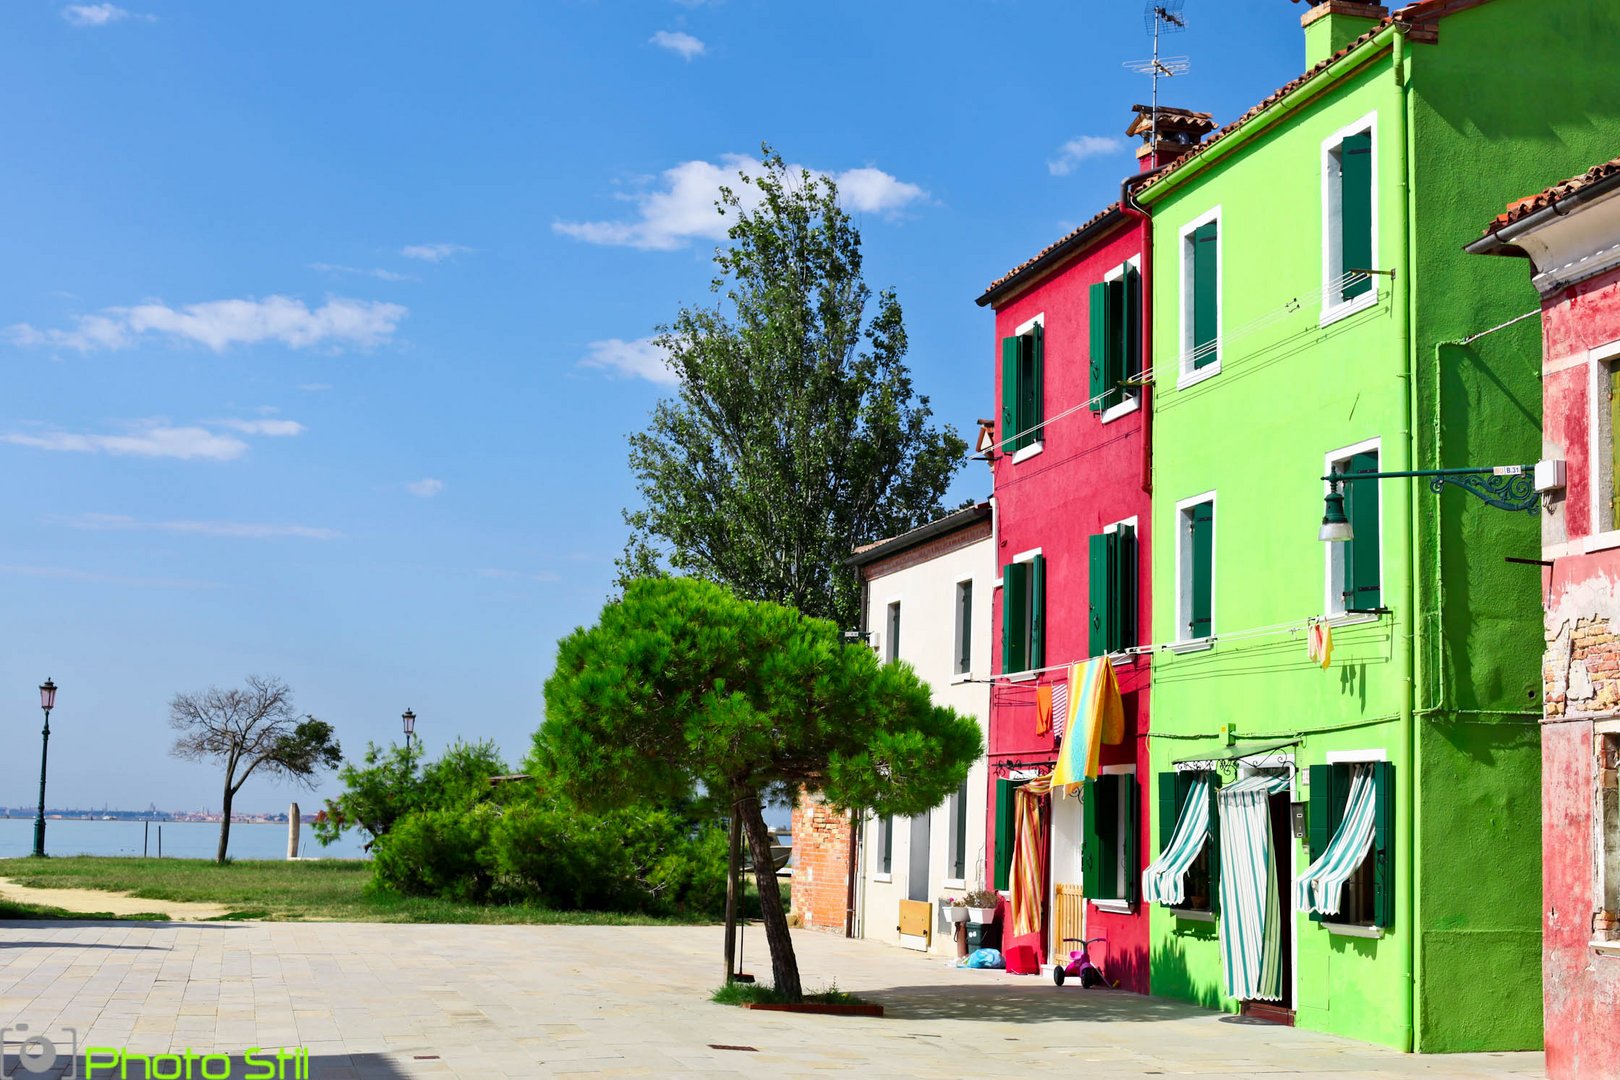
(1251, 924)
(1164, 881)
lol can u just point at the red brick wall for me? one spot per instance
(820, 865)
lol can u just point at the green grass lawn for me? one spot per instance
(336, 890)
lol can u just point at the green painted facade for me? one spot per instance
(1445, 685)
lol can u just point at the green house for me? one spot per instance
(1355, 840)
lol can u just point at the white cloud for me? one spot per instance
(639, 359)
(372, 272)
(543, 576)
(1080, 148)
(100, 14)
(433, 252)
(425, 488)
(68, 573)
(683, 208)
(272, 428)
(237, 530)
(219, 324)
(679, 42)
(147, 439)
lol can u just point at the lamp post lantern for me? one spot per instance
(409, 720)
(47, 702)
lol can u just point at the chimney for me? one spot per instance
(1333, 24)
(1178, 131)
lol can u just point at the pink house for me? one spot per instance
(1571, 236)
(1070, 453)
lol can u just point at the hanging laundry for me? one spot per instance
(1043, 709)
(1060, 708)
(1097, 716)
(1319, 643)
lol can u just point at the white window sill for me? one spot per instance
(954, 883)
(1192, 377)
(966, 676)
(1113, 907)
(1351, 930)
(1125, 408)
(1606, 948)
(1331, 315)
(1122, 659)
(1021, 676)
(1195, 645)
(1028, 452)
(883, 879)
(1604, 541)
(1190, 915)
(1357, 619)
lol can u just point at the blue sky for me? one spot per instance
(321, 324)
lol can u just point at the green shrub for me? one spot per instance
(442, 853)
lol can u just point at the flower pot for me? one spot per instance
(983, 914)
(955, 913)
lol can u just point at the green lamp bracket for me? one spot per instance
(1506, 487)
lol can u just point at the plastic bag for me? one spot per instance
(982, 958)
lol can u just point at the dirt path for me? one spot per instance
(118, 903)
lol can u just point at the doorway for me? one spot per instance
(1280, 817)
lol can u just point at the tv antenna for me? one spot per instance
(1161, 17)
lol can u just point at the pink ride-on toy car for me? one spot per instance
(1081, 967)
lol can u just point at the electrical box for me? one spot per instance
(1550, 475)
(1298, 818)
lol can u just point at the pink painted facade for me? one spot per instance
(1089, 473)
(1570, 235)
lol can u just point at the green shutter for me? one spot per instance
(1171, 795)
(1004, 832)
(1363, 591)
(1099, 345)
(1028, 391)
(1213, 844)
(1206, 292)
(1037, 612)
(1355, 210)
(959, 847)
(1384, 844)
(1201, 529)
(1132, 331)
(1090, 843)
(1124, 590)
(1015, 618)
(1009, 394)
(1130, 827)
(888, 844)
(1037, 394)
(1319, 828)
(1097, 575)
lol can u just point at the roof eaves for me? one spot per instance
(894, 545)
(1052, 254)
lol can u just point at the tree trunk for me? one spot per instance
(225, 826)
(784, 964)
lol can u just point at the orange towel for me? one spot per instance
(1043, 709)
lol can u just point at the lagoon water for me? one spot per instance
(181, 839)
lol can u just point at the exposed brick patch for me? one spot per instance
(821, 836)
(1581, 675)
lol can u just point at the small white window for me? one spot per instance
(1195, 577)
(963, 652)
(1349, 220)
(892, 641)
(1201, 298)
(1355, 567)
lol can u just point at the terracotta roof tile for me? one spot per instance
(1530, 204)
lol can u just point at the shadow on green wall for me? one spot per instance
(1171, 975)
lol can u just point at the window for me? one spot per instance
(1022, 400)
(957, 855)
(1006, 830)
(1201, 296)
(1368, 895)
(1348, 232)
(892, 647)
(1108, 865)
(885, 850)
(1609, 373)
(1112, 578)
(1355, 579)
(1023, 614)
(1201, 883)
(1195, 538)
(964, 627)
(1607, 767)
(1116, 338)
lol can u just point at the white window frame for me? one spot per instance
(1604, 943)
(1035, 447)
(1351, 757)
(1186, 376)
(1333, 557)
(1022, 676)
(1133, 394)
(880, 851)
(957, 637)
(1183, 641)
(1113, 527)
(1604, 532)
(1332, 199)
(955, 806)
(891, 649)
(1119, 905)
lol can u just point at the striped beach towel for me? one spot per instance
(1028, 877)
(1096, 716)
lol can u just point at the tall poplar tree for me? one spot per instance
(795, 433)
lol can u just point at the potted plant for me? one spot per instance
(954, 908)
(981, 905)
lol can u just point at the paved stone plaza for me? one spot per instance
(491, 1001)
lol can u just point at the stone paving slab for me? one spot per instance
(391, 1001)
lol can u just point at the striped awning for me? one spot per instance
(1251, 924)
(1321, 886)
(1164, 879)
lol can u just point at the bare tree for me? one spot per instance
(247, 729)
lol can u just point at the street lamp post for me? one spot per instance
(47, 702)
(409, 719)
